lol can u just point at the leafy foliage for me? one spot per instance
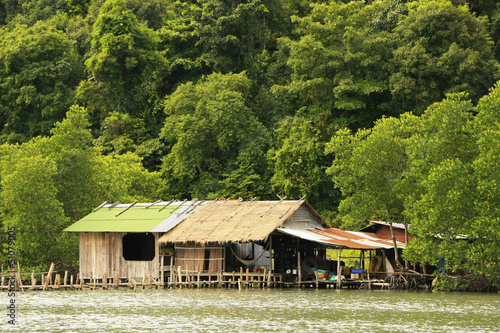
(215, 141)
(39, 72)
(309, 112)
(50, 182)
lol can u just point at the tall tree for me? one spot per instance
(125, 65)
(38, 75)
(442, 49)
(216, 144)
(439, 185)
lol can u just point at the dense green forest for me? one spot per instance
(382, 109)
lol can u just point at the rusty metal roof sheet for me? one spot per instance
(340, 238)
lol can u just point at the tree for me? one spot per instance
(38, 75)
(216, 146)
(50, 182)
(485, 227)
(125, 65)
(442, 49)
(369, 169)
(299, 163)
(440, 184)
(338, 65)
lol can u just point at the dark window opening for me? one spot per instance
(138, 246)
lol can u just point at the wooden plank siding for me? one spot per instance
(102, 252)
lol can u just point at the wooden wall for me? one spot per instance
(302, 219)
(102, 252)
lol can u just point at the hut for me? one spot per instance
(232, 235)
(288, 238)
(123, 238)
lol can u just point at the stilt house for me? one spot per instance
(123, 238)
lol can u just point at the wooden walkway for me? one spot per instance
(52, 280)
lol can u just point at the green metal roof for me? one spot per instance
(134, 219)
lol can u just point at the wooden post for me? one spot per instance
(150, 281)
(299, 271)
(71, 281)
(248, 278)
(368, 270)
(19, 277)
(131, 282)
(117, 280)
(78, 282)
(58, 280)
(143, 277)
(51, 269)
(65, 281)
(180, 276)
(33, 280)
(105, 281)
(264, 277)
(383, 261)
(198, 280)
(162, 267)
(339, 269)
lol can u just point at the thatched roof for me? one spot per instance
(234, 221)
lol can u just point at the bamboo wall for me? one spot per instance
(193, 257)
(102, 252)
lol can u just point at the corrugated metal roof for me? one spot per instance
(339, 238)
(394, 224)
(140, 217)
(178, 216)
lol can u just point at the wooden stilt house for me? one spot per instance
(288, 238)
(123, 238)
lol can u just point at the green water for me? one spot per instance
(230, 310)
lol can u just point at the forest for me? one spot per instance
(373, 110)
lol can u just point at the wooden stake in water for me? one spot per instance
(51, 269)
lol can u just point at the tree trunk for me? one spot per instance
(396, 254)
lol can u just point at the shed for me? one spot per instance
(123, 238)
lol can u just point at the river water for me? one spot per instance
(275, 310)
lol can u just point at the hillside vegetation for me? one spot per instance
(382, 109)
